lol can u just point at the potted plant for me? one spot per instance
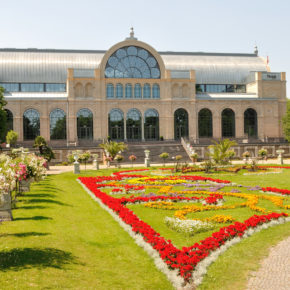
(263, 153)
(194, 157)
(246, 156)
(119, 158)
(164, 156)
(132, 158)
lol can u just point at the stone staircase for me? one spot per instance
(173, 148)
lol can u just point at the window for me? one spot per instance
(205, 123)
(31, 124)
(119, 91)
(151, 125)
(133, 125)
(85, 124)
(201, 88)
(146, 91)
(32, 87)
(9, 119)
(250, 123)
(137, 91)
(180, 124)
(132, 62)
(116, 124)
(128, 91)
(57, 124)
(55, 87)
(110, 91)
(156, 91)
(10, 87)
(228, 123)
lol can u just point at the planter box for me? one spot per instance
(5, 207)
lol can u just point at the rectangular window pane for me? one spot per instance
(10, 87)
(241, 88)
(55, 87)
(33, 87)
(230, 88)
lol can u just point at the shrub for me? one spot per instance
(164, 156)
(11, 138)
(220, 152)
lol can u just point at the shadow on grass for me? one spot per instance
(39, 195)
(46, 200)
(18, 259)
(34, 218)
(32, 207)
(24, 235)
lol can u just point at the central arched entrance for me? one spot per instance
(180, 124)
(151, 125)
(133, 125)
(116, 124)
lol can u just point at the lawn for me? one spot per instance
(61, 238)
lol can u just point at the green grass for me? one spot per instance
(61, 238)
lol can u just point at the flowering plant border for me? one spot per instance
(184, 267)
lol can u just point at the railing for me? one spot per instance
(186, 145)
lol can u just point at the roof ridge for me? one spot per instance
(52, 50)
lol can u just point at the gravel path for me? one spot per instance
(274, 273)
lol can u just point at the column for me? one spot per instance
(142, 128)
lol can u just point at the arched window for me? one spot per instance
(151, 125)
(156, 91)
(31, 124)
(137, 91)
(132, 62)
(251, 123)
(180, 124)
(205, 123)
(119, 91)
(110, 91)
(133, 125)
(9, 120)
(85, 124)
(146, 91)
(88, 90)
(128, 91)
(228, 123)
(116, 124)
(57, 124)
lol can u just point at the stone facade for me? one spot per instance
(266, 97)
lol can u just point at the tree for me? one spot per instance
(220, 153)
(113, 148)
(3, 119)
(11, 138)
(286, 122)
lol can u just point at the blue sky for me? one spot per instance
(183, 25)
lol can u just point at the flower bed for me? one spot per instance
(183, 266)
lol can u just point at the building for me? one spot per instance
(132, 92)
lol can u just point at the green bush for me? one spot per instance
(11, 138)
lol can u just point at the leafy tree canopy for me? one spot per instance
(286, 122)
(3, 117)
